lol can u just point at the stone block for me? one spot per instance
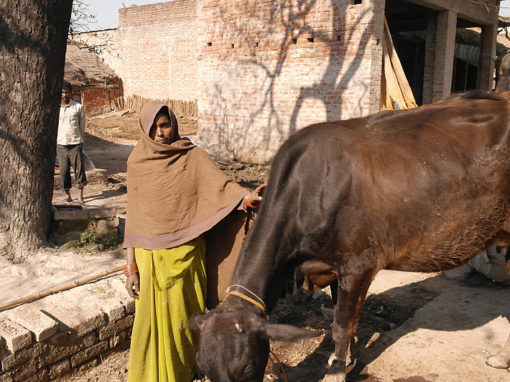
(40, 376)
(115, 327)
(95, 319)
(105, 227)
(64, 231)
(16, 336)
(21, 357)
(77, 311)
(60, 368)
(130, 306)
(25, 371)
(3, 350)
(101, 213)
(113, 308)
(89, 353)
(56, 348)
(89, 365)
(71, 214)
(40, 324)
(117, 339)
(118, 284)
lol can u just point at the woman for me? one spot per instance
(175, 195)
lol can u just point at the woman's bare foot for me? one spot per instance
(69, 198)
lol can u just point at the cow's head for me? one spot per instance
(234, 345)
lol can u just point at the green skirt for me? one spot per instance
(173, 286)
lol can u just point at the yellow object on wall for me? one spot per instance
(395, 90)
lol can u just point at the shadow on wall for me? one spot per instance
(248, 107)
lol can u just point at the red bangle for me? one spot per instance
(130, 269)
(247, 203)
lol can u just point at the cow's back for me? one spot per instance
(423, 188)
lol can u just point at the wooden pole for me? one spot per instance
(60, 288)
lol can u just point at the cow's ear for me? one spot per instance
(279, 332)
(197, 321)
(287, 333)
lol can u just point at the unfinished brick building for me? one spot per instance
(262, 69)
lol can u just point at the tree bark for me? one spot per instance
(33, 38)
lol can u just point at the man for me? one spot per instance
(71, 131)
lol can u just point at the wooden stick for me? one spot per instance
(57, 289)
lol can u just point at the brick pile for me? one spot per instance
(47, 338)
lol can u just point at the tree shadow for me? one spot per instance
(289, 22)
(389, 316)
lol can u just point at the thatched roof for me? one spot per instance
(83, 66)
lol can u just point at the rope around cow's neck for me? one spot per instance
(261, 305)
(279, 364)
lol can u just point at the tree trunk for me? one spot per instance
(33, 38)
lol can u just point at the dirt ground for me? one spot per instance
(414, 327)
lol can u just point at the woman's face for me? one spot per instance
(162, 130)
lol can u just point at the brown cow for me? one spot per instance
(423, 190)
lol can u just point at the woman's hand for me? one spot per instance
(133, 285)
(254, 198)
(131, 272)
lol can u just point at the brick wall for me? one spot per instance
(267, 70)
(261, 70)
(157, 44)
(101, 99)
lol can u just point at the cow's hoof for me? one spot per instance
(498, 362)
(336, 370)
(334, 376)
(332, 359)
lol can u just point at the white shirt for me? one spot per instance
(71, 124)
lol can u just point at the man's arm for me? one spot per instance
(83, 122)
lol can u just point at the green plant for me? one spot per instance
(88, 237)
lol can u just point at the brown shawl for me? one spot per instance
(175, 191)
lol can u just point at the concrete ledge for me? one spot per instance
(74, 222)
(64, 213)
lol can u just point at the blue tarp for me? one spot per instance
(468, 53)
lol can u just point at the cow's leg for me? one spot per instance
(352, 291)
(334, 291)
(298, 276)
